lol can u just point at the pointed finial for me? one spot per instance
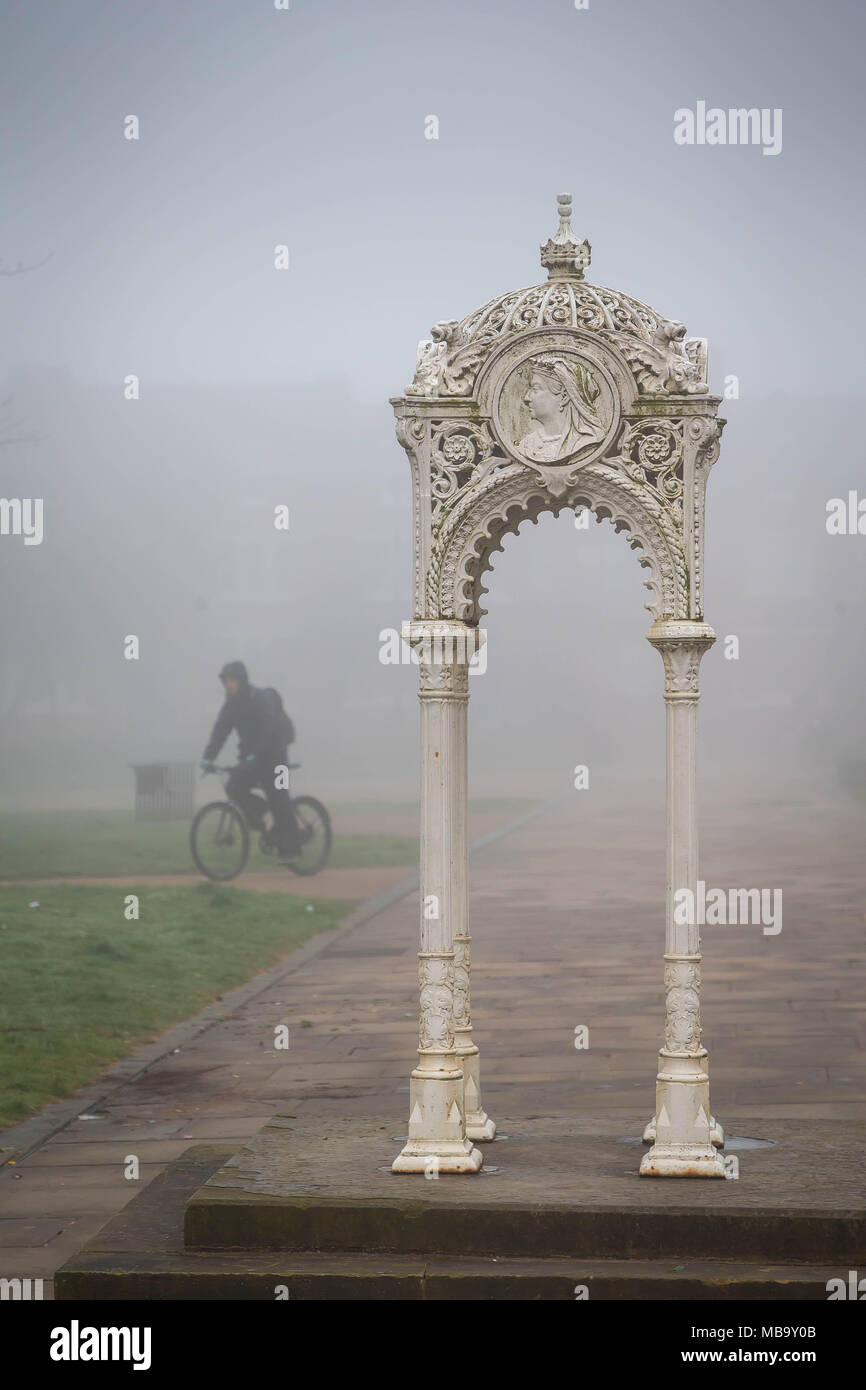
(564, 257)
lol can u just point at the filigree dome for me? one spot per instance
(660, 356)
(558, 305)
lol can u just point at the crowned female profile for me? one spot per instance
(561, 398)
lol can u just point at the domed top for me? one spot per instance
(662, 359)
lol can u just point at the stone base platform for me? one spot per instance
(314, 1207)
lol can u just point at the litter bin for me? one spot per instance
(164, 791)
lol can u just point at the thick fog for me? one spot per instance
(261, 387)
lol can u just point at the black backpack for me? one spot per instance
(282, 727)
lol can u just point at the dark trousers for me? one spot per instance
(260, 773)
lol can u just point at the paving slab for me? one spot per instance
(18, 1232)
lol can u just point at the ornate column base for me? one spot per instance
(683, 1145)
(681, 1161)
(717, 1134)
(437, 1140)
(479, 1126)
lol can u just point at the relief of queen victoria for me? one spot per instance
(561, 398)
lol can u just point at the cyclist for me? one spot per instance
(264, 732)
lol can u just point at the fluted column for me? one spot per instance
(438, 1139)
(479, 1126)
(682, 1129)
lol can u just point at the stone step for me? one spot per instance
(696, 1240)
(231, 1275)
(559, 1188)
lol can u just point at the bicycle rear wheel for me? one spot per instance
(314, 828)
(219, 841)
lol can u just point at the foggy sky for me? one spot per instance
(306, 128)
(257, 387)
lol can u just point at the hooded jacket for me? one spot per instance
(250, 714)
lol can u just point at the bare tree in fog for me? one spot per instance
(8, 425)
(22, 269)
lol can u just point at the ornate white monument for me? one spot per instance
(562, 396)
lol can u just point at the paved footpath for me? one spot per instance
(342, 885)
(567, 930)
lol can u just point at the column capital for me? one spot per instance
(681, 642)
(680, 630)
(443, 641)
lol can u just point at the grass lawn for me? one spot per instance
(82, 986)
(110, 844)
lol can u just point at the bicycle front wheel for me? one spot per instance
(219, 841)
(314, 829)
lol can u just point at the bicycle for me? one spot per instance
(219, 837)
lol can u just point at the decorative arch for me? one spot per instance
(462, 551)
(560, 396)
